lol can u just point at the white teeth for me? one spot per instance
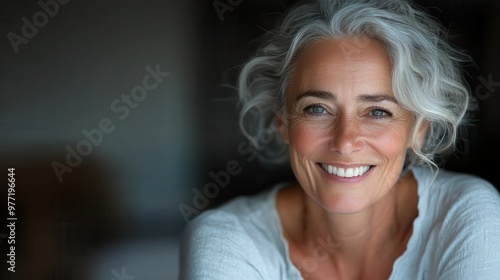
(345, 172)
(356, 171)
(349, 172)
(340, 172)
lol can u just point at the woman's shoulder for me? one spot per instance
(244, 219)
(467, 195)
(459, 205)
(454, 202)
(453, 184)
(456, 194)
(241, 211)
(456, 232)
(244, 233)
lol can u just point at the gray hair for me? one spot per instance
(426, 73)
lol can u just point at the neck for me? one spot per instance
(370, 234)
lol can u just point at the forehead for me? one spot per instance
(343, 52)
(360, 64)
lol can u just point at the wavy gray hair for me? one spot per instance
(426, 74)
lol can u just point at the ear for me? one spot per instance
(281, 124)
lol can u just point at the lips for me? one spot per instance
(346, 172)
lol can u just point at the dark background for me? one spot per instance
(118, 212)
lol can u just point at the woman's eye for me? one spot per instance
(380, 113)
(315, 110)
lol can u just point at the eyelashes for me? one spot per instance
(376, 112)
(380, 112)
(315, 109)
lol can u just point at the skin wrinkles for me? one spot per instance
(340, 110)
(344, 117)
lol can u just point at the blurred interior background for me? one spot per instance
(109, 163)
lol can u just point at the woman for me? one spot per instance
(365, 95)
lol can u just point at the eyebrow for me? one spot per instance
(376, 98)
(379, 97)
(316, 93)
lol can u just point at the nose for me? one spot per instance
(346, 136)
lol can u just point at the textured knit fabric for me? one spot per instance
(456, 235)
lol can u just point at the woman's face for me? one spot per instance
(346, 132)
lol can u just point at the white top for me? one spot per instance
(456, 235)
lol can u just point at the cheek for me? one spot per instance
(305, 138)
(391, 142)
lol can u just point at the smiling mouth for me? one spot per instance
(345, 172)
